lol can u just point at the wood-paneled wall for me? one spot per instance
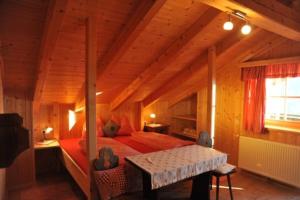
(229, 111)
(57, 117)
(229, 126)
(21, 172)
(165, 113)
(131, 110)
(162, 111)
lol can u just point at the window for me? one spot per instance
(283, 99)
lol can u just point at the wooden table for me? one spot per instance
(163, 168)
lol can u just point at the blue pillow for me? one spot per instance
(111, 128)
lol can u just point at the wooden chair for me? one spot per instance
(225, 170)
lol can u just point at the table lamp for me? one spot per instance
(153, 116)
(46, 131)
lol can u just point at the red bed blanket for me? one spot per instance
(146, 142)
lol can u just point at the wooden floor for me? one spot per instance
(247, 187)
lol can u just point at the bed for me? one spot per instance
(115, 181)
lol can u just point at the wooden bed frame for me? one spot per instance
(78, 175)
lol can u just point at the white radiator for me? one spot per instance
(271, 159)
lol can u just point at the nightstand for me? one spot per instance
(46, 157)
(159, 128)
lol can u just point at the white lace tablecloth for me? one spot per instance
(170, 166)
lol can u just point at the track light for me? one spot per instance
(228, 26)
(246, 29)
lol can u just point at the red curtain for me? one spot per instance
(282, 70)
(255, 91)
(254, 98)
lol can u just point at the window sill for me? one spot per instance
(280, 128)
(289, 126)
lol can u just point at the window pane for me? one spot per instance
(275, 108)
(293, 87)
(293, 109)
(275, 87)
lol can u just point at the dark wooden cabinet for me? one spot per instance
(158, 128)
(47, 158)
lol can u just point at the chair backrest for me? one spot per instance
(204, 139)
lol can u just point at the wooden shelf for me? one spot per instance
(186, 117)
(185, 135)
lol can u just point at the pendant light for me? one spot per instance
(246, 29)
(228, 25)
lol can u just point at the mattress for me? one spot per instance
(73, 149)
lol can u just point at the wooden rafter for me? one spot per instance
(211, 90)
(145, 11)
(90, 91)
(267, 14)
(194, 67)
(166, 57)
(54, 20)
(255, 63)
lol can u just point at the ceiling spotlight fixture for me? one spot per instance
(246, 29)
(239, 14)
(228, 26)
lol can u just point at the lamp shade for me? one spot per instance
(47, 130)
(228, 26)
(246, 29)
(153, 115)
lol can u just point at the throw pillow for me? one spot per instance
(111, 128)
(126, 128)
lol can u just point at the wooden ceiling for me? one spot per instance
(21, 27)
(147, 50)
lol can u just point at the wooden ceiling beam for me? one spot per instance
(267, 14)
(53, 23)
(286, 60)
(166, 57)
(194, 67)
(138, 21)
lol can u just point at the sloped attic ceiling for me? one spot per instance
(142, 46)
